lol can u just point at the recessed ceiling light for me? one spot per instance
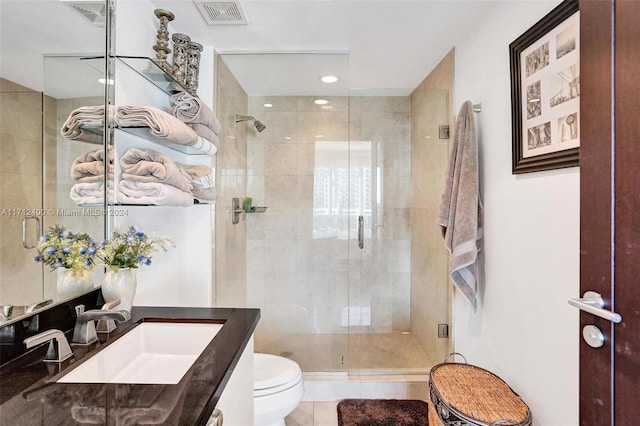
(319, 136)
(329, 79)
(288, 138)
(268, 105)
(321, 102)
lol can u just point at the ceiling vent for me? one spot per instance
(94, 10)
(221, 12)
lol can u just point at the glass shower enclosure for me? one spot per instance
(329, 261)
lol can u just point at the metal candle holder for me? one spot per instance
(162, 38)
(193, 65)
(179, 69)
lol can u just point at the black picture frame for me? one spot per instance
(550, 129)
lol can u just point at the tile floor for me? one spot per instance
(323, 391)
(379, 353)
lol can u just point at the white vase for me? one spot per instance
(72, 283)
(120, 285)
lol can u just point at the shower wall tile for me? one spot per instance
(255, 159)
(255, 189)
(280, 224)
(396, 159)
(279, 128)
(336, 104)
(281, 191)
(20, 188)
(305, 159)
(430, 287)
(231, 286)
(397, 191)
(280, 159)
(395, 224)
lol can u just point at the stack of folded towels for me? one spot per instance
(88, 171)
(161, 124)
(149, 177)
(196, 114)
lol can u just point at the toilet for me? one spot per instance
(277, 389)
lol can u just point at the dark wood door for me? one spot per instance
(610, 207)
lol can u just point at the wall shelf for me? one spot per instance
(149, 70)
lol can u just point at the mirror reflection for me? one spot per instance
(42, 80)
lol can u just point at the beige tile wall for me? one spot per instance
(430, 290)
(20, 188)
(231, 181)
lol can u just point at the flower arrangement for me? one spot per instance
(130, 248)
(61, 248)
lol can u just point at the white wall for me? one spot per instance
(183, 276)
(523, 330)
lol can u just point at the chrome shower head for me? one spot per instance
(259, 125)
(256, 123)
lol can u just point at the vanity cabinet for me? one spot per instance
(236, 401)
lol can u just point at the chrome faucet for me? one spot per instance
(84, 332)
(35, 306)
(58, 349)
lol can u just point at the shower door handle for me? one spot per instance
(24, 231)
(361, 232)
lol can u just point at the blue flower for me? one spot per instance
(45, 238)
(82, 250)
(50, 250)
(130, 240)
(92, 250)
(37, 258)
(140, 234)
(64, 234)
(66, 250)
(147, 262)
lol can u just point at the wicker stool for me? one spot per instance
(466, 395)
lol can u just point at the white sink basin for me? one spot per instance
(151, 353)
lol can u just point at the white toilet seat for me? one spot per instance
(273, 374)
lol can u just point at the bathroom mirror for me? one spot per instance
(42, 79)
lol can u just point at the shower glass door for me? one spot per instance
(329, 261)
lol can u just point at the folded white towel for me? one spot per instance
(154, 193)
(201, 179)
(85, 193)
(191, 109)
(460, 211)
(205, 147)
(146, 165)
(205, 132)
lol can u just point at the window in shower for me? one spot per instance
(343, 188)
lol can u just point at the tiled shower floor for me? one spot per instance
(357, 353)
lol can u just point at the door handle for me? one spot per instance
(24, 231)
(593, 302)
(361, 232)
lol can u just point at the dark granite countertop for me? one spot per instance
(29, 394)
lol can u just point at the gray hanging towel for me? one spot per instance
(460, 211)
